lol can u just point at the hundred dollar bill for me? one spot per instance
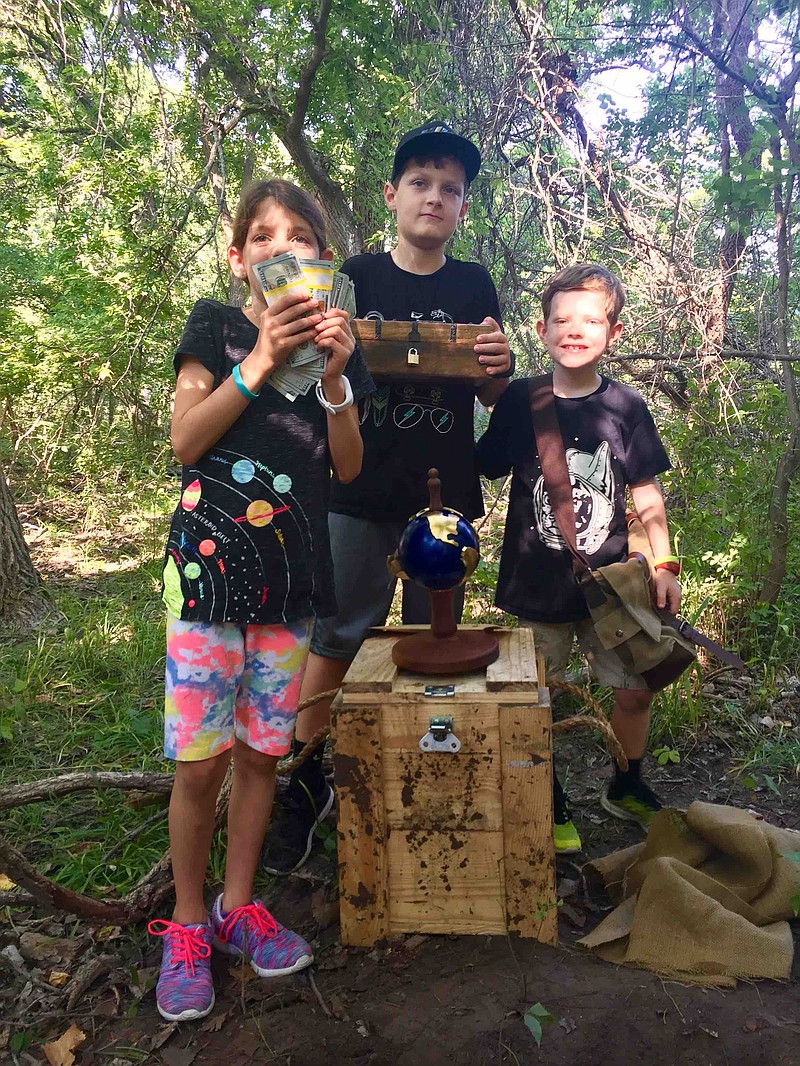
(318, 274)
(280, 275)
(291, 383)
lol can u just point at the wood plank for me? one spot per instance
(475, 725)
(441, 793)
(527, 789)
(514, 670)
(402, 631)
(361, 825)
(443, 350)
(372, 670)
(445, 883)
(405, 698)
(414, 684)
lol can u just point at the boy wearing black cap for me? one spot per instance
(407, 427)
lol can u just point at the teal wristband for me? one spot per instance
(240, 385)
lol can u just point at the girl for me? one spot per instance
(247, 565)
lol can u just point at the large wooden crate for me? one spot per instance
(436, 842)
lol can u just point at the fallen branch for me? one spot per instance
(52, 787)
(145, 896)
(15, 898)
(52, 897)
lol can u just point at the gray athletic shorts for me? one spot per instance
(365, 588)
(554, 641)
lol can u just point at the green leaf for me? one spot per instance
(19, 1041)
(535, 1018)
(749, 782)
(535, 1027)
(770, 783)
(795, 902)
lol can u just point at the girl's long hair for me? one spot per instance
(288, 196)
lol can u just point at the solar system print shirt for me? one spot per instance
(410, 426)
(611, 442)
(249, 538)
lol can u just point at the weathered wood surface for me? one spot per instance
(443, 350)
(527, 801)
(361, 824)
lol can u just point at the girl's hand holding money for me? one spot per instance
(288, 323)
(334, 336)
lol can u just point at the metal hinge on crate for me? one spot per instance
(440, 736)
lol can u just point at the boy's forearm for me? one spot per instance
(649, 504)
(490, 391)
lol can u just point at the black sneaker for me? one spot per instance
(633, 802)
(291, 833)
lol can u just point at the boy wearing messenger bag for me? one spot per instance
(611, 445)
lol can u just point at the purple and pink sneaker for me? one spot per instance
(253, 934)
(184, 991)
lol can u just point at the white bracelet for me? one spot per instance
(335, 408)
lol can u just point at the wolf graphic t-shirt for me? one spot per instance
(611, 442)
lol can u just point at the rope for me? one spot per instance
(319, 737)
(596, 720)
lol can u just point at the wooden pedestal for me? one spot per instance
(437, 842)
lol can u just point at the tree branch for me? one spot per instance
(310, 70)
(52, 787)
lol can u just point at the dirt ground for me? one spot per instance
(443, 999)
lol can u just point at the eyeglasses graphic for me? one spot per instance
(407, 415)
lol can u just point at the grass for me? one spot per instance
(89, 696)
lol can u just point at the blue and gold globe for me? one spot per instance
(438, 549)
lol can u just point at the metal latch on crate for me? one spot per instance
(440, 736)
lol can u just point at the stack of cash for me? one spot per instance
(316, 278)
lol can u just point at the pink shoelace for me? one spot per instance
(187, 944)
(258, 919)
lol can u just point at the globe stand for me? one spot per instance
(444, 648)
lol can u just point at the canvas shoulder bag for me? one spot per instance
(650, 642)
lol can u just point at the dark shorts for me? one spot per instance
(365, 588)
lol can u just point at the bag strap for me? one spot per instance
(553, 463)
(696, 637)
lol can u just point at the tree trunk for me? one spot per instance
(23, 604)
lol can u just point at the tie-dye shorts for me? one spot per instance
(225, 680)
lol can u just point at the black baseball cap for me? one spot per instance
(437, 138)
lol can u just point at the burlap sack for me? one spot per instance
(705, 899)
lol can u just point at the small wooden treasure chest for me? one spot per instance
(444, 795)
(420, 349)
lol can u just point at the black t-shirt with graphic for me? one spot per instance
(611, 442)
(249, 540)
(410, 426)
